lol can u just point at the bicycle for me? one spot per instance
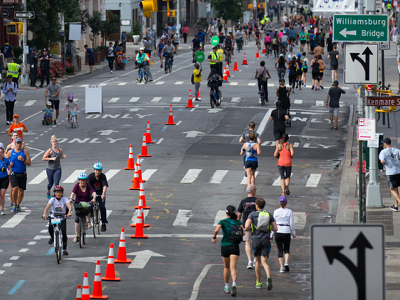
(215, 103)
(239, 44)
(168, 62)
(143, 74)
(268, 52)
(73, 123)
(228, 54)
(82, 209)
(95, 218)
(262, 95)
(58, 236)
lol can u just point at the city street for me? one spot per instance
(194, 172)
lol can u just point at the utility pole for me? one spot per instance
(24, 78)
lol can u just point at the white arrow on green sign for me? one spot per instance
(360, 28)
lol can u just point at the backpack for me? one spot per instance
(192, 79)
(236, 234)
(249, 150)
(262, 222)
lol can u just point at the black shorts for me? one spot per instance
(305, 70)
(261, 247)
(267, 43)
(303, 42)
(91, 61)
(393, 181)
(18, 180)
(307, 42)
(55, 104)
(228, 48)
(292, 40)
(278, 133)
(315, 75)
(285, 172)
(4, 181)
(227, 251)
(334, 67)
(299, 72)
(321, 75)
(253, 164)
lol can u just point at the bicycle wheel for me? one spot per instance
(146, 78)
(81, 232)
(98, 220)
(94, 219)
(57, 247)
(212, 102)
(220, 99)
(170, 69)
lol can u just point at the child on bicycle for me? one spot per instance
(58, 204)
(71, 105)
(48, 116)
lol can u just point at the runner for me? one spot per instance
(304, 68)
(281, 67)
(334, 56)
(230, 252)
(17, 126)
(5, 170)
(284, 152)
(293, 67)
(251, 150)
(333, 98)
(279, 116)
(315, 65)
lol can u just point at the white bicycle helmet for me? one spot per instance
(82, 175)
(48, 103)
(98, 166)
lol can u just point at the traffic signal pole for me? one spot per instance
(24, 77)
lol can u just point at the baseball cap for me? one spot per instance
(17, 140)
(282, 200)
(15, 116)
(2, 146)
(215, 47)
(387, 141)
(141, 49)
(336, 82)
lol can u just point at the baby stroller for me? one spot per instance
(118, 62)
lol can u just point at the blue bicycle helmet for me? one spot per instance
(298, 55)
(98, 166)
(82, 175)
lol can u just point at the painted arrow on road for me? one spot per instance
(142, 258)
(367, 52)
(90, 259)
(344, 32)
(193, 133)
(106, 132)
(358, 272)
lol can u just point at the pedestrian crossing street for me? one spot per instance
(191, 177)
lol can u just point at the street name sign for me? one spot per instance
(366, 129)
(360, 28)
(361, 64)
(347, 262)
(24, 14)
(383, 101)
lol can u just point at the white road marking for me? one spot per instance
(244, 180)
(252, 84)
(24, 250)
(160, 82)
(298, 101)
(109, 211)
(2, 272)
(221, 214)
(111, 173)
(30, 102)
(319, 103)
(84, 85)
(182, 217)
(159, 141)
(32, 243)
(179, 82)
(15, 220)
(142, 258)
(122, 83)
(134, 99)
(271, 84)
(197, 283)
(300, 220)
(191, 175)
(134, 217)
(156, 99)
(178, 123)
(313, 180)
(14, 258)
(296, 144)
(74, 176)
(218, 176)
(103, 84)
(43, 231)
(264, 122)
(147, 174)
(234, 83)
(176, 99)
(235, 99)
(39, 178)
(7, 264)
(113, 100)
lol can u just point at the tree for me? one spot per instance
(228, 9)
(95, 25)
(110, 25)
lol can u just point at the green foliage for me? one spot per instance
(228, 9)
(96, 24)
(130, 34)
(110, 25)
(17, 52)
(137, 30)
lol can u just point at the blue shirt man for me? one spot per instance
(202, 36)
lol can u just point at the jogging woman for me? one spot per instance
(53, 170)
(284, 152)
(315, 64)
(251, 150)
(304, 68)
(281, 67)
(293, 67)
(284, 219)
(5, 169)
(160, 48)
(230, 252)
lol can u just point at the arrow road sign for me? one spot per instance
(142, 258)
(345, 264)
(24, 14)
(5, 13)
(361, 64)
(344, 32)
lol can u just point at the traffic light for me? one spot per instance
(171, 13)
(15, 28)
(250, 6)
(148, 6)
(261, 5)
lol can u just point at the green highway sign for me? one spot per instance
(360, 28)
(199, 56)
(214, 40)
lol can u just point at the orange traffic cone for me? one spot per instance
(122, 249)
(264, 49)
(131, 163)
(227, 70)
(235, 67)
(170, 117)
(148, 134)
(139, 226)
(135, 185)
(190, 102)
(244, 59)
(85, 287)
(257, 54)
(144, 225)
(198, 94)
(139, 169)
(144, 147)
(97, 289)
(78, 293)
(110, 271)
(224, 77)
(142, 197)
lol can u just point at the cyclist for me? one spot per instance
(261, 76)
(170, 50)
(221, 39)
(292, 37)
(213, 58)
(202, 37)
(213, 82)
(239, 38)
(281, 67)
(98, 181)
(142, 61)
(228, 46)
(283, 40)
(257, 36)
(246, 32)
(250, 29)
(196, 46)
(267, 42)
(58, 204)
(84, 192)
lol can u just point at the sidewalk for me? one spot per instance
(347, 210)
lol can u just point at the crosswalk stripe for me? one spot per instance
(156, 99)
(113, 100)
(271, 84)
(67, 86)
(182, 217)
(160, 82)
(244, 180)
(277, 181)
(221, 214)
(234, 83)
(179, 82)
(73, 177)
(300, 220)
(15, 220)
(30, 102)
(109, 211)
(134, 99)
(176, 99)
(103, 84)
(39, 178)
(191, 175)
(313, 180)
(147, 174)
(252, 84)
(111, 173)
(84, 85)
(218, 176)
(235, 99)
(134, 217)
(122, 83)
(298, 101)
(319, 103)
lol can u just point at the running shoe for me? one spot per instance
(51, 241)
(258, 285)
(227, 290)
(48, 194)
(65, 253)
(269, 283)
(392, 208)
(282, 270)
(287, 269)
(233, 292)
(321, 87)
(2, 213)
(12, 208)
(312, 87)
(287, 191)
(304, 85)
(103, 227)
(18, 209)
(151, 80)
(250, 265)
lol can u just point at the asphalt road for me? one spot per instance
(195, 171)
